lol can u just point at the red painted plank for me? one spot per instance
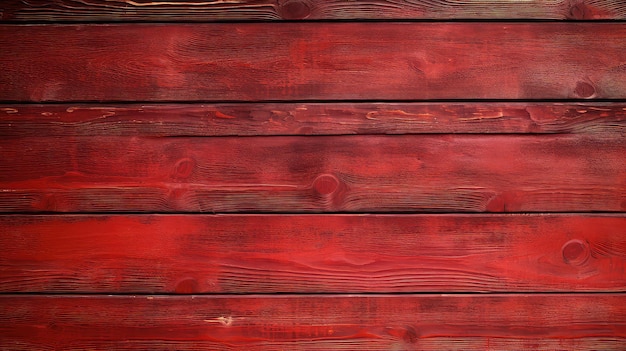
(409, 322)
(497, 173)
(304, 61)
(311, 119)
(337, 253)
(185, 10)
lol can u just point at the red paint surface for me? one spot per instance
(185, 10)
(355, 61)
(387, 322)
(249, 119)
(154, 134)
(466, 173)
(318, 253)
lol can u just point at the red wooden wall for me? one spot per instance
(313, 175)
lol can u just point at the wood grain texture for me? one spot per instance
(318, 253)
(409, 322)
(304, 61)
(248, 119)
(498, 173)
(197, 10)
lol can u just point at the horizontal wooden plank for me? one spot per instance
(312, 61)
(318, 253)
(497, 173)
(409, 322)
(310, 119)
(179, 10)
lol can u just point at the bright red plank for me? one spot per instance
(305, 61)
(409, 322)
(338, 253)
(184, 10)
(468, 173)
(311, 119)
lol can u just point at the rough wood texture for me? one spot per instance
(301, 61)
(497, 173)
(255, 115)
(311, 119)
(338, 253)
(197, 10)
(409, 322)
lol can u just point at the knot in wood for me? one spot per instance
(184, 168)
(576, 252)
(326, 184)
(580, 11)
(293, 10)
(585, 90)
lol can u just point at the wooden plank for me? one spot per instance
(321, 253)
(310, 119)
(179, 10)
(387, 322)
(304, 61)
(473, 173)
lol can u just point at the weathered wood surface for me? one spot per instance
(247, 119)
(387, 322)
(466, 173)
(324, 253)
(197, 10)
(304, 61)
